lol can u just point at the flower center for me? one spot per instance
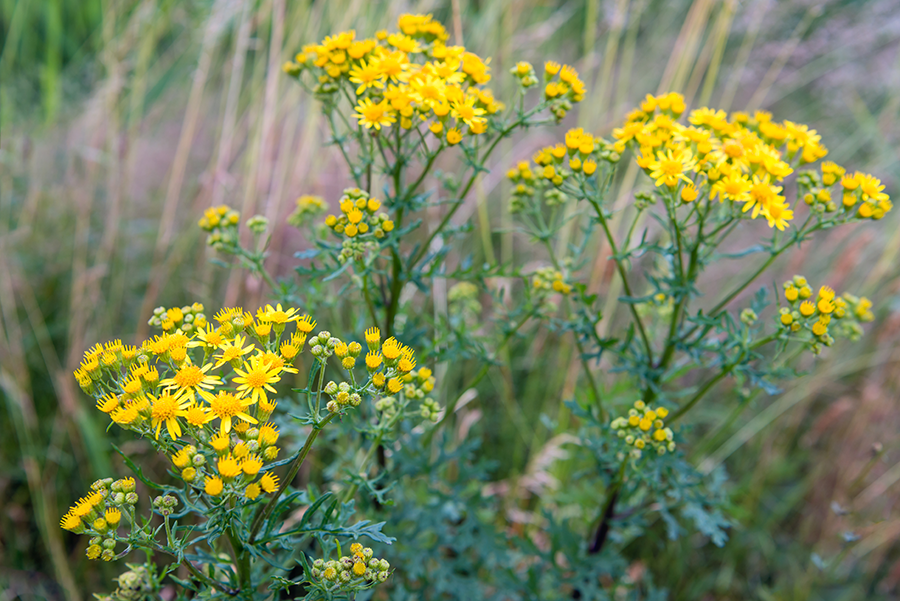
(188, 376)
(225, 405)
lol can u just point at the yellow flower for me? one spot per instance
(306, 324)
(257, 377)
(734, 186)
(367, 76)
(197, 415)
(70, 522)
(689, 193)
(394, 385)
(762, 195)
(391, 349)
(277, 315)
(252, 491)
(778, 214)
(466, 111)
(227, 406)
(213, 486)
(370, 114)
(454, 137)
(251, 465)
(670, 166)
(269, 482)
(228, 467)
(210, 337)
(191, 379)
(166, 409)
(232, 351)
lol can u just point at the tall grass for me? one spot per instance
(121, 120)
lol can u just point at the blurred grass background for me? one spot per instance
(120, 120)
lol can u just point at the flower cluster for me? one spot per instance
(817, 314)
(548, 279)
(186, 319)
(411, 76)
(176, 386)
(644, 427)
(222, 224)
(359, 223)
(554, 165)
(307, 206)
(100, 513)
(350, 573)
(739, 159)
(562, 86)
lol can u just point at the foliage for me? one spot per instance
(589, 516)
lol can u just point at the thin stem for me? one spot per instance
(207, 580)
(608, 510)
(365, 462)
(712, 382)
(486, 366)
(242, 559)
(505, 132)
(625, 285)
(267, 510)
(677, 313)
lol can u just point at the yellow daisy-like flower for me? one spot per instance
(226, 406)
(70, 522)
(762, 195)
(257, 377)
(734, 186)
(197, 415)
(166, 409)
(277, 315)
(268, 434)
(305, 324)
(252, 491)
(371, 114)
(233, 350)
(268, 482)
(213, 486)
(113, 516)
(367, 75)
(778, 214)
(467, 112)
(669, 167)
(228, 467)
(191, 379)
(251, 465)
(391, 349)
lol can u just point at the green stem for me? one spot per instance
(625, 285)
(606, 513)
(207, 580)
(267, 510)
(486, 366)
(693, 266)
(242, 559)
(584, 364)
(490, 149)
(715, 380)
(365, 462)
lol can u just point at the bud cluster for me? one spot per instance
(353, 572)
(643, 428)
(817, 314)
(222, 224)
(99, 514)
(187, 319)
